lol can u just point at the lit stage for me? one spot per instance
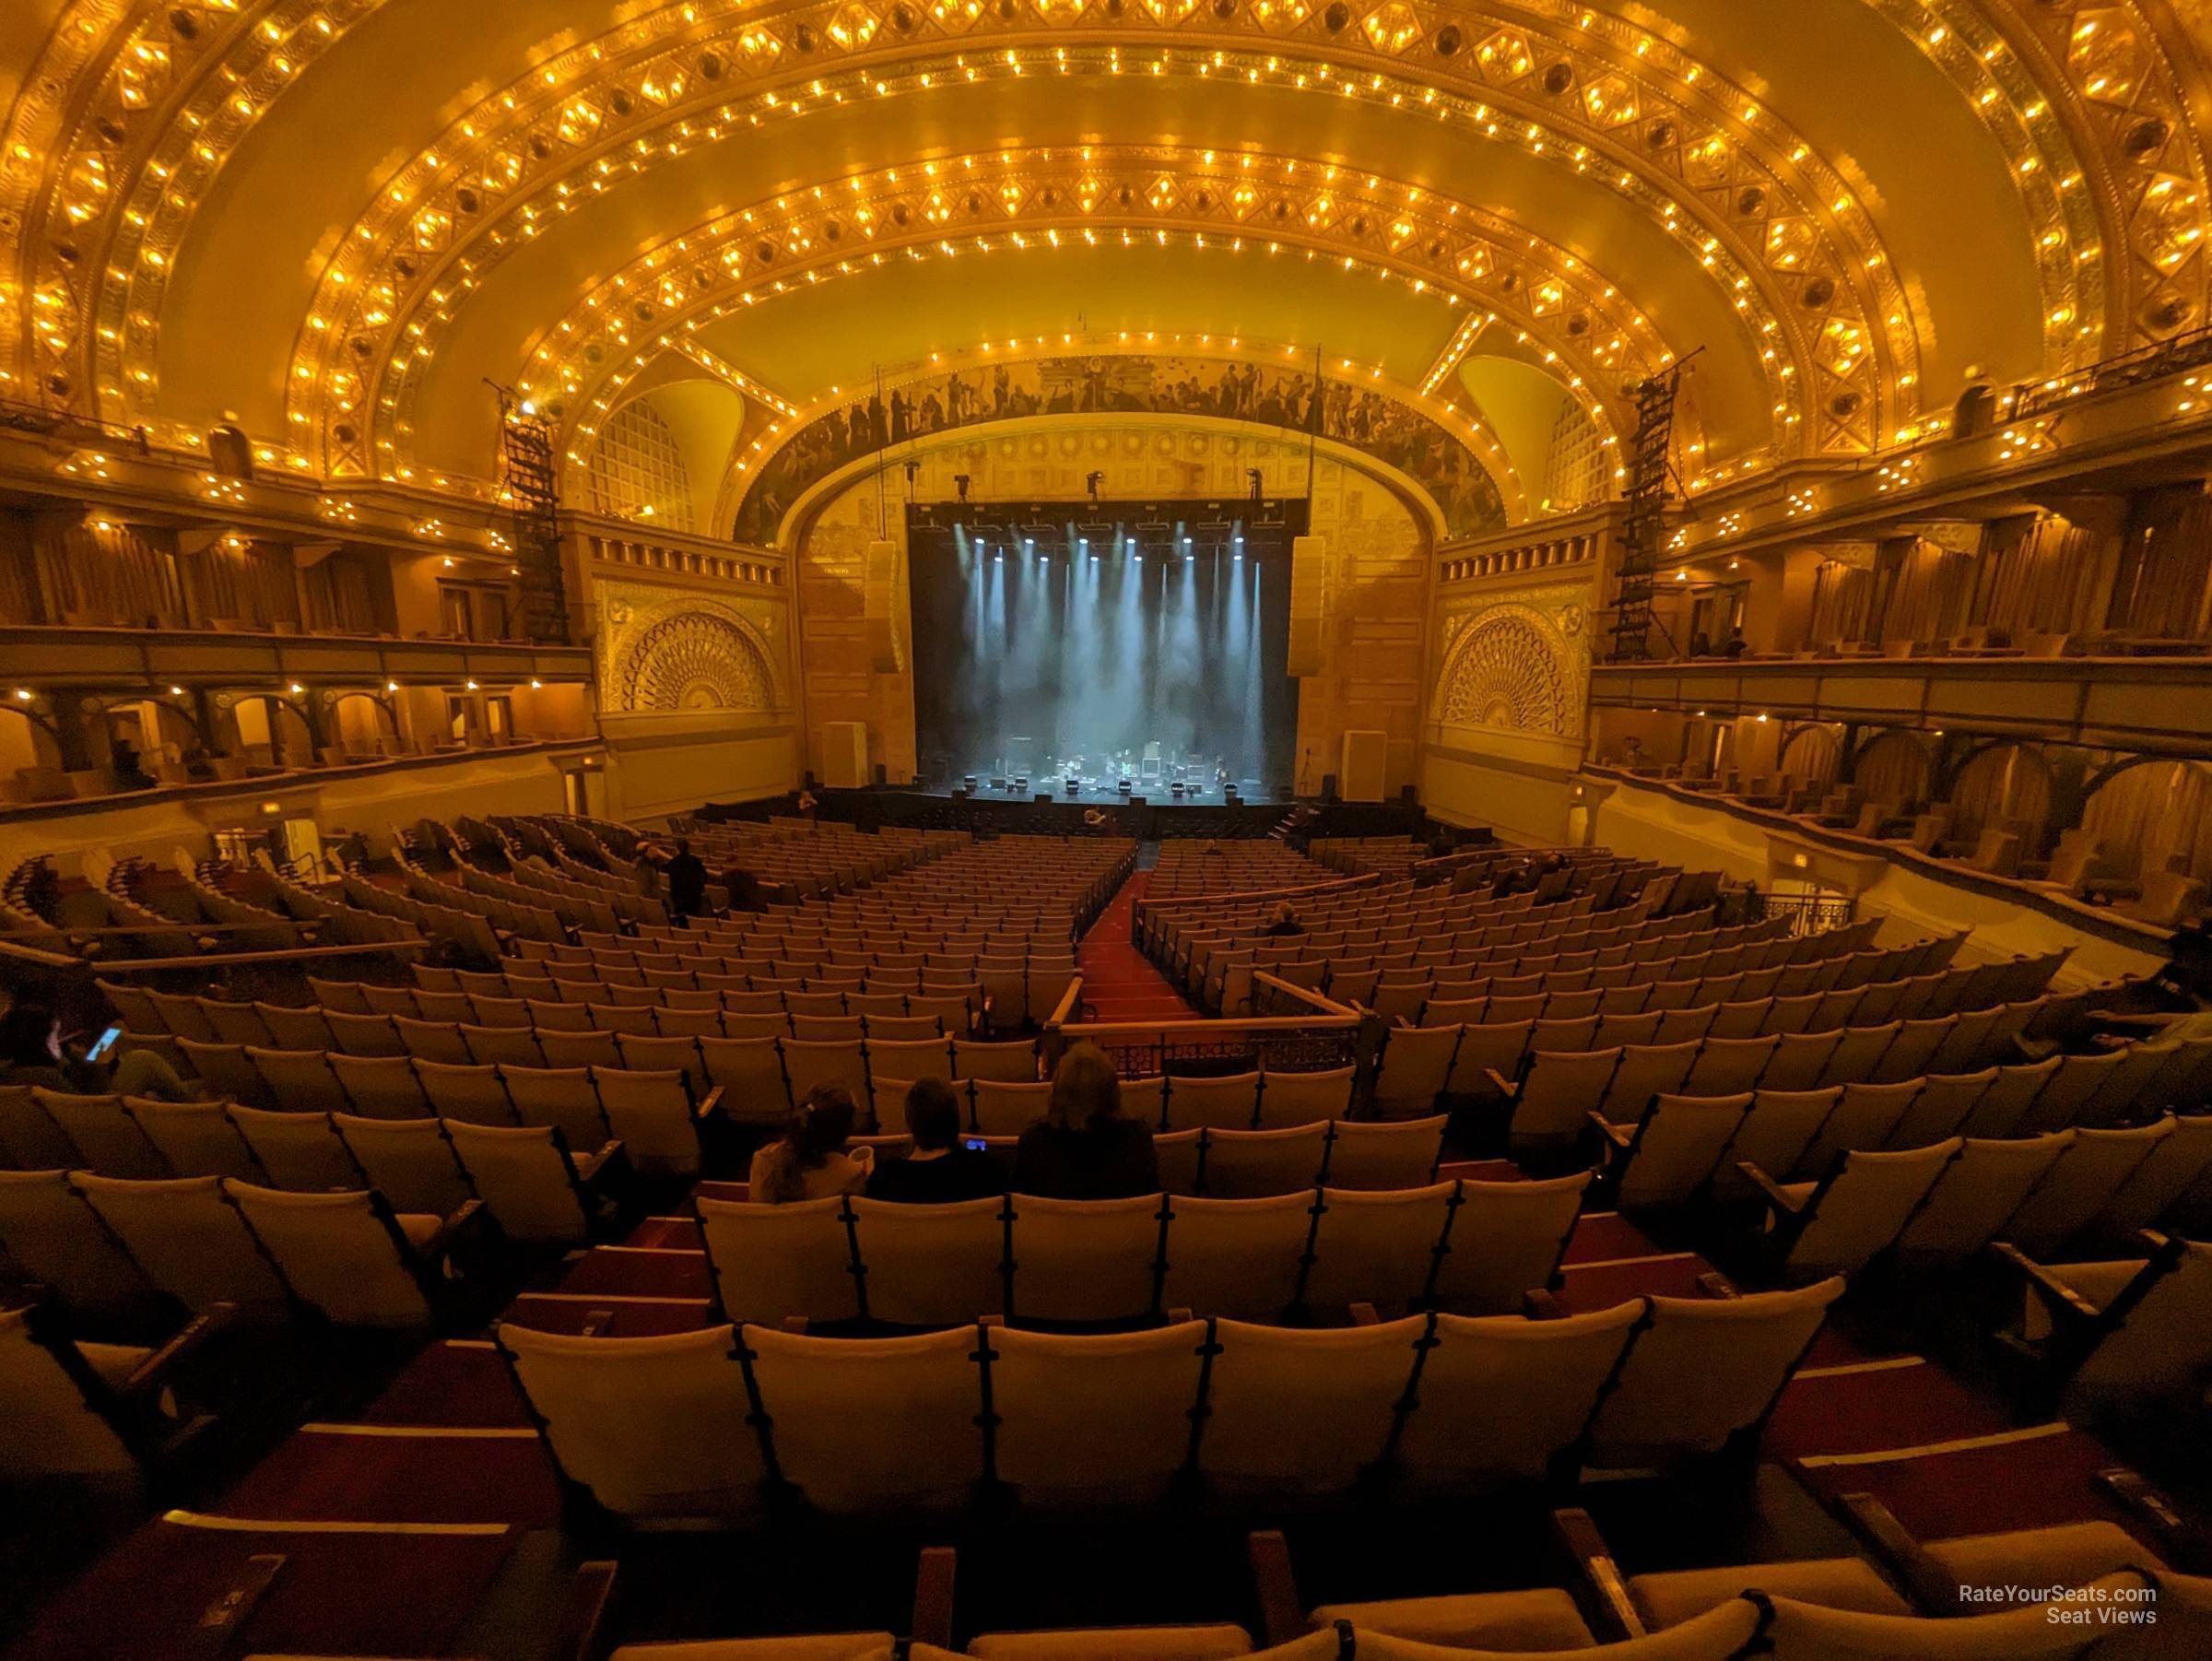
(1101, 652)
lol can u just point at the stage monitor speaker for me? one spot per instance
(845, 754)
(1328, 786)
(1309, 604)
(883, 596)
(1366, 759)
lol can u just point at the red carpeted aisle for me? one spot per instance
(1118, 980)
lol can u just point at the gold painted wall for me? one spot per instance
(1509, 677)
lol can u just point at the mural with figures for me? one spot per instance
(1392, 432)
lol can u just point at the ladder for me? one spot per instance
(531, 490)
(1637, 576)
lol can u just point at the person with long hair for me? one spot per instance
(810, 1162)
(31, 1051)
(1084, 1148)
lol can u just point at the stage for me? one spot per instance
(1001, 813)
(985, 786)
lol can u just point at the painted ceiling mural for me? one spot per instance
(1393, 433)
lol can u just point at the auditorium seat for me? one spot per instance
(409, 1162)
(529, 1180)
(931, 1264)
(644, 1424)
(102, 1132)
(1976, 1194)
(1238, 1257)
(1095, 1260)
(2125, 1335)
(1841, 1222)
(297, 1151)
(1702, 1372)
(195, 1139)
(191, 1241)
(346, 1255)
(49, 1232)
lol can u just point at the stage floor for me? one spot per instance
(1251, 792)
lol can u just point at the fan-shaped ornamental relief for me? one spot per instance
(1508, 668)
(693, 660)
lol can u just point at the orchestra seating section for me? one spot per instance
(1518, 1196)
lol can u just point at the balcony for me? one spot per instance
(144, 658)
(2145, 704)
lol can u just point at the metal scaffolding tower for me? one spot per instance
(1637, 576)
(530, 490)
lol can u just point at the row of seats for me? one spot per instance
(761, 1078)
(700, 1424)
(1401, 985)
(112, 1249)
(1939, 1205)
(1470, 1247)
(1903, 1607)
(404, 1010)
(655, 1114)
(1568, 961)
(1750, 1003)
(1554, 1075)
(1558, 1094)
(1474, 950)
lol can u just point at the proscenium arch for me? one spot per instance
(1702, 225)
(750, 466)
(799, 520)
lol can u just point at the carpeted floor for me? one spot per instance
(1119, 982)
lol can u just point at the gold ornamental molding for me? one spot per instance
(134, 104)
(105, 163)
(1569, 319)
(1739, 189)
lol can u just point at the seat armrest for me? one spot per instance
(1717, 1286)
(1282, 1615)
(588, 1170)
(153, 1374)
(933, 1574)
(1616, 1137)
(709, 1106)
(469, 1214)
(1501, 1084)
(1363, 1315)
(1605, 1591)
(2067, 1308)
(585, 1634)
(1926, 1584)
(1540, 1304)
(1785, 1204)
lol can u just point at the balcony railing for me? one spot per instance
(134, 658)
(2153, 705)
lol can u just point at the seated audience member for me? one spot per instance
(687, 881)
(939, 1169)
(810, 1162)
(1284, 922)
(744, 890)
(31, 1053)
(1083, 1148)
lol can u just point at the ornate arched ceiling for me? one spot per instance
(331, 221)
